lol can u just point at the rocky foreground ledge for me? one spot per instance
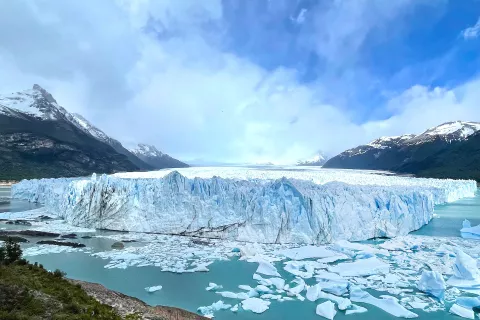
(126, 305)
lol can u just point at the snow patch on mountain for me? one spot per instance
(317, 160)
(147, 150)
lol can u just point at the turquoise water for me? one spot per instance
(187, 290)
(450, 217)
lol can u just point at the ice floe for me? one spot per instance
(216, 306)
(213, 287)
(255, 305)
(432, 282)
(387, 303)
(153, 289)
(462, 312)
(326, 310)
(361, 267)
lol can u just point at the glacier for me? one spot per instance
(268, 206)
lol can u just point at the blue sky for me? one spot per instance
(249, 81)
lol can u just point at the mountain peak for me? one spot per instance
(44, 93)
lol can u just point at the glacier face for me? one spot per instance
(262, 207)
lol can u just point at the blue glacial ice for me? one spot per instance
(432, 282)
(255, 207)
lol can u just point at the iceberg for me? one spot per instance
(326, 310)
(255, 305)
(462, 311)
(248, 205)
(213, 287)
(470, 232)
(355, 309)
(266, 268)
(432, 282)
(465, 267)
(388, 304)
(153, 289)
(216, 306)
(362, 267)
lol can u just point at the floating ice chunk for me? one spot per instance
(466, 224)
(462, 312)
(279, 283)
(362, 267)
(444, 250)
(355, 309)
(340, 256)
(465, 267)
(325, 275)
(262, 289)
(337, 287)
(234, 308)
(432, 282)
(153, 289)
(313, 292)
(255, 305)
(341, 245)
(261, 280)
(418, 305)
(307, 252)
(326, 310)
(249, 250)
(300, 286)
(470, 232)
(295, 268)
(233, 295)
(209, 311)
(213, 287)
(468, 302)
(388, 304)
(245, 287)
(268, 269)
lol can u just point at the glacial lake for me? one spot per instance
(187, 290)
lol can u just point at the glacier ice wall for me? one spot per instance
(283, 210)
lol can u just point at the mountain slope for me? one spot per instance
(39, 139)
(449, 150)
(89, 128)
(155, 158)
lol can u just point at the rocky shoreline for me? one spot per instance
(125, 305)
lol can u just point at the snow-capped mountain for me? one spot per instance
(39, 138)
(419, 154)
(318, 160)
(153, 157)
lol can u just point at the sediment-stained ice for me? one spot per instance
(293, 208)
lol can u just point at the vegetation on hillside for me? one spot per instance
(28, 291)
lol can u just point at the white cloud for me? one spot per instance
(472, 32)
(191, 98)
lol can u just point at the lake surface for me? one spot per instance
(187, 290)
